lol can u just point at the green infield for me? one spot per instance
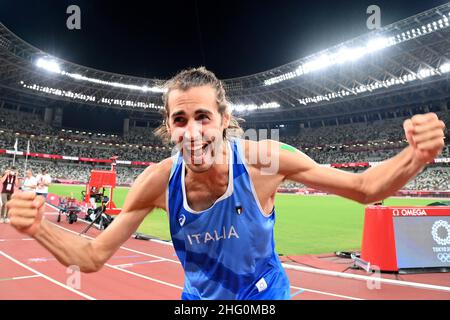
(304, 224)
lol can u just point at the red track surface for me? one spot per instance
(150, 270)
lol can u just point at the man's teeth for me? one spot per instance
(197, 148)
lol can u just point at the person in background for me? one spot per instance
(43, 181)
(30, 182)
(8, 183)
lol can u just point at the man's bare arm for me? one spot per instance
(374, 184)
(426, 137)
(26, 212)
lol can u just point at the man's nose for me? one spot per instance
(193, 131)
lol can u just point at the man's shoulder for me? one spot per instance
(161, 168)
(166, 164)
(150, 185)
(258, 152)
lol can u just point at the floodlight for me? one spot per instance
(378, 44)
(49, 65)
(444, 68)
(425, 73)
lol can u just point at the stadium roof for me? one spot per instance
(406, 62)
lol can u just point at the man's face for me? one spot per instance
(195, 125)
(29, 173)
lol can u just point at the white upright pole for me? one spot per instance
(26, 157)
(15, 151)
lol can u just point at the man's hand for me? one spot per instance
(425, 134)
(26, 212)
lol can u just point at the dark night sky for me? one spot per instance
(158, 38)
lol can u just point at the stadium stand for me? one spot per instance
(331, 144)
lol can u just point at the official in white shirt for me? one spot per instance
(30, 182)
(43, 181)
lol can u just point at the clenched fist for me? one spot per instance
(425, 134)
(26, 212)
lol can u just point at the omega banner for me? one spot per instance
(402, 238)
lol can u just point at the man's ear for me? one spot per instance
(166, 122)
(226, 119)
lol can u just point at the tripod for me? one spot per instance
(98, 214)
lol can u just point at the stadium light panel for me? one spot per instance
(373, 45)
(49, 65)
(316, 64)
(251, 107)
(299, 71)
(344, 55)
(377, 44)
(425, 73)
(444, 68)
(54, 67)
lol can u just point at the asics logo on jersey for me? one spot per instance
(182, 220)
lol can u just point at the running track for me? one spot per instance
(150, 270)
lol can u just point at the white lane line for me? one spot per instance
(129, 265)
(119, 267)
(134, 273)
(145, 277)
(20, 278)
(367, 278)
(26, 277)
(326, 293)
(313, 270)
(166, 243)
(47, 277)
(125, 248)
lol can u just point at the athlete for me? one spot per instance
(219, 193)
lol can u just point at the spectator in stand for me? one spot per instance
(8, 183)
(30, 182)
(43, 181)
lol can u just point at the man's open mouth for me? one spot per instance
(197, 152)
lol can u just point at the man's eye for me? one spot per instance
(178, 120)
(202, 117)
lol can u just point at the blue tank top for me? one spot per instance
(227, 251)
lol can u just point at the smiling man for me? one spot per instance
(219, 193)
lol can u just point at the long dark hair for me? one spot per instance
(197, 77)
